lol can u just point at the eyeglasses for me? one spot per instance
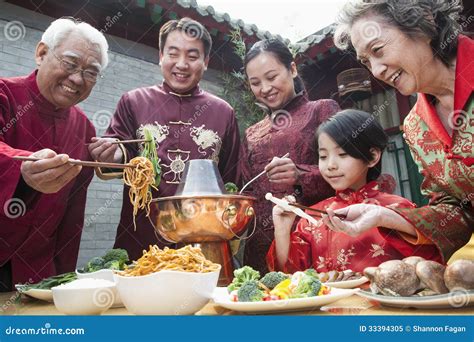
(88, 74)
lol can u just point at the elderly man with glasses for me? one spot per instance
(42, 202)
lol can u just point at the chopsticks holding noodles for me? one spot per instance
(80, 162)
(127, 141)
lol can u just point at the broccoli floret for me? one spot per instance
(113, 265)
(250, 291)
(311, 272)
(94, 264)
(117, 254)
(231, 188)
(308, 286)
(242, 275)
(272, 279)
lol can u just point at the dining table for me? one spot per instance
(12, 303)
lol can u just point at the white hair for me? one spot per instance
(59, 29)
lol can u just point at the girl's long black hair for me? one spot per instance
(356, 132)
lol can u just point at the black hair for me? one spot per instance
(282, 53)
(356, 132)
(193, 29)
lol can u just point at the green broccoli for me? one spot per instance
(272, 279)
(117, 254)
(113, 265)
(311, 272)
(231, 188)
(250, 291)
(94, 264)
(241, 275)
(308, 286)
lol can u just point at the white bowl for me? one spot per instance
(83, 301)
(105, 274)
(167, 292)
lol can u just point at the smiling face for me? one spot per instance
(339, 169)
(60, 88)
(182, 61)
(393, 57)
(271, 82)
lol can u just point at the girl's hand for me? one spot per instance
(362, 217)
(282, 171)
(282, 220)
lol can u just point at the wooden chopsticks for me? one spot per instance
(126, 141)
(80, 162)
(315, 210)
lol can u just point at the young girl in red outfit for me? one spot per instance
(350, 147)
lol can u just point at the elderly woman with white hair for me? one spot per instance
(42, 202)
(416, 46)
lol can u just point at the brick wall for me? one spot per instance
(131, 65)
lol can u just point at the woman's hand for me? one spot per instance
(282, 171)
(102, 149)
(361, 217)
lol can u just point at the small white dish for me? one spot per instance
(348, 284)
(222, 298)
(105, 274)
(41, 294)
(84, 301)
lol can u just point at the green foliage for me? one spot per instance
(236, 90)
(53, 281)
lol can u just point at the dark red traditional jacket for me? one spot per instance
(289, 130)
(197, 125)
(39, 233)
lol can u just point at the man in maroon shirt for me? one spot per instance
(42, 203)
(186, 123)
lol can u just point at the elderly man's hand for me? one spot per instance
(51, 174)
(102, 149)
(282, 171)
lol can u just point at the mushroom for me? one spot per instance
(413, 260)
(460, 274)
(395, 277)
(431, 273)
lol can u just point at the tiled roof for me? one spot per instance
(249, 29)
(314, 39)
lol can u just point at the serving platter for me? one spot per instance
(452, 300)
(348, 284)
(221, 297)
(46, 295)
